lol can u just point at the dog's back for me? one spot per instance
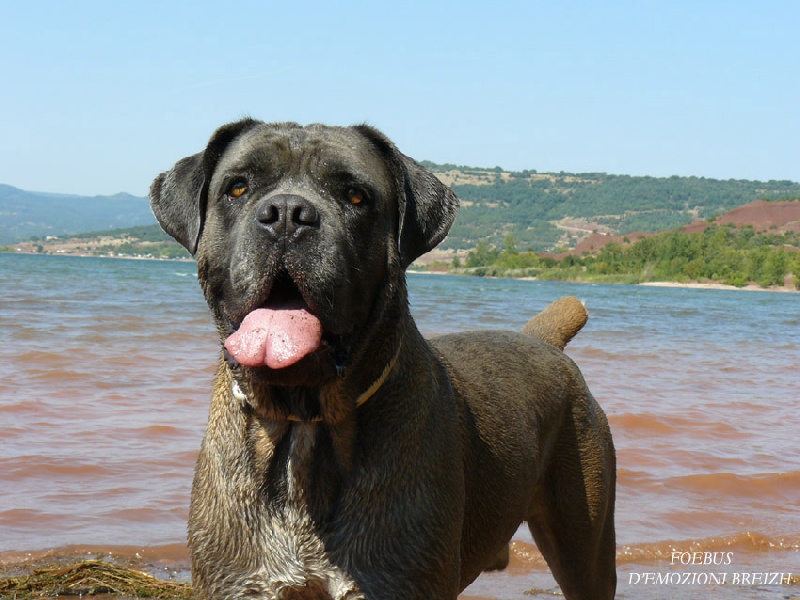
(525, 409)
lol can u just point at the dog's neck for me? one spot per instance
(310, 405)
(301, 439)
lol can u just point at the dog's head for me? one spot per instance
(302, 235)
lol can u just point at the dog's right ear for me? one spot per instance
(178, 197)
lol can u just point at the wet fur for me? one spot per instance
(416, 492)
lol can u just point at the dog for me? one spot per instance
(346, 457)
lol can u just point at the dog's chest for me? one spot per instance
(299, 485)
(296, 471)
(295, 565)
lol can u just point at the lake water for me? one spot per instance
(106, 366)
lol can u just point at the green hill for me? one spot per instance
(545, 210)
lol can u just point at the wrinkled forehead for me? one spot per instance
(315, 151)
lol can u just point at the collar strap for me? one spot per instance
(376, 385)
(366, 395)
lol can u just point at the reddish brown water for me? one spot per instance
(104, 386)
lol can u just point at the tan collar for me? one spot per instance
(376, 385)
(362, 398)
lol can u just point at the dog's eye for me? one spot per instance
(356, 196)
(237, 190)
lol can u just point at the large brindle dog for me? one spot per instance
(346, 456)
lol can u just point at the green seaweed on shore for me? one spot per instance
(89, 578)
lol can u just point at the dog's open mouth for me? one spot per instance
(278, 334)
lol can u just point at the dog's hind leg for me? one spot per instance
(571, 515)
(500, 560)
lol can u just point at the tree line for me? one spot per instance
(719, 254)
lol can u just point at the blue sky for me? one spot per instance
(99, 97)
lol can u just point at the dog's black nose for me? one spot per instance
(286, 214)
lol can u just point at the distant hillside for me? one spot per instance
(544, 211)
(144, 241)
(26, 214)
(756, 245)
(549, 210)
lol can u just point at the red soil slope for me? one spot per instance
(762, 215)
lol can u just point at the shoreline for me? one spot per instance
(524, 552)
(172, 562)
(106, 256)
(750, 287)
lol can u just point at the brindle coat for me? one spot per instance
(300, 493)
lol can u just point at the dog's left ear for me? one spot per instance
(178, 197)
(427, 206)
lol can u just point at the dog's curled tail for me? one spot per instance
(558, 323)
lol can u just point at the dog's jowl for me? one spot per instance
(345, 455)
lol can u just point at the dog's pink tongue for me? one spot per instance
(275, 338)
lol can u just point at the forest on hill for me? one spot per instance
(538, 207)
